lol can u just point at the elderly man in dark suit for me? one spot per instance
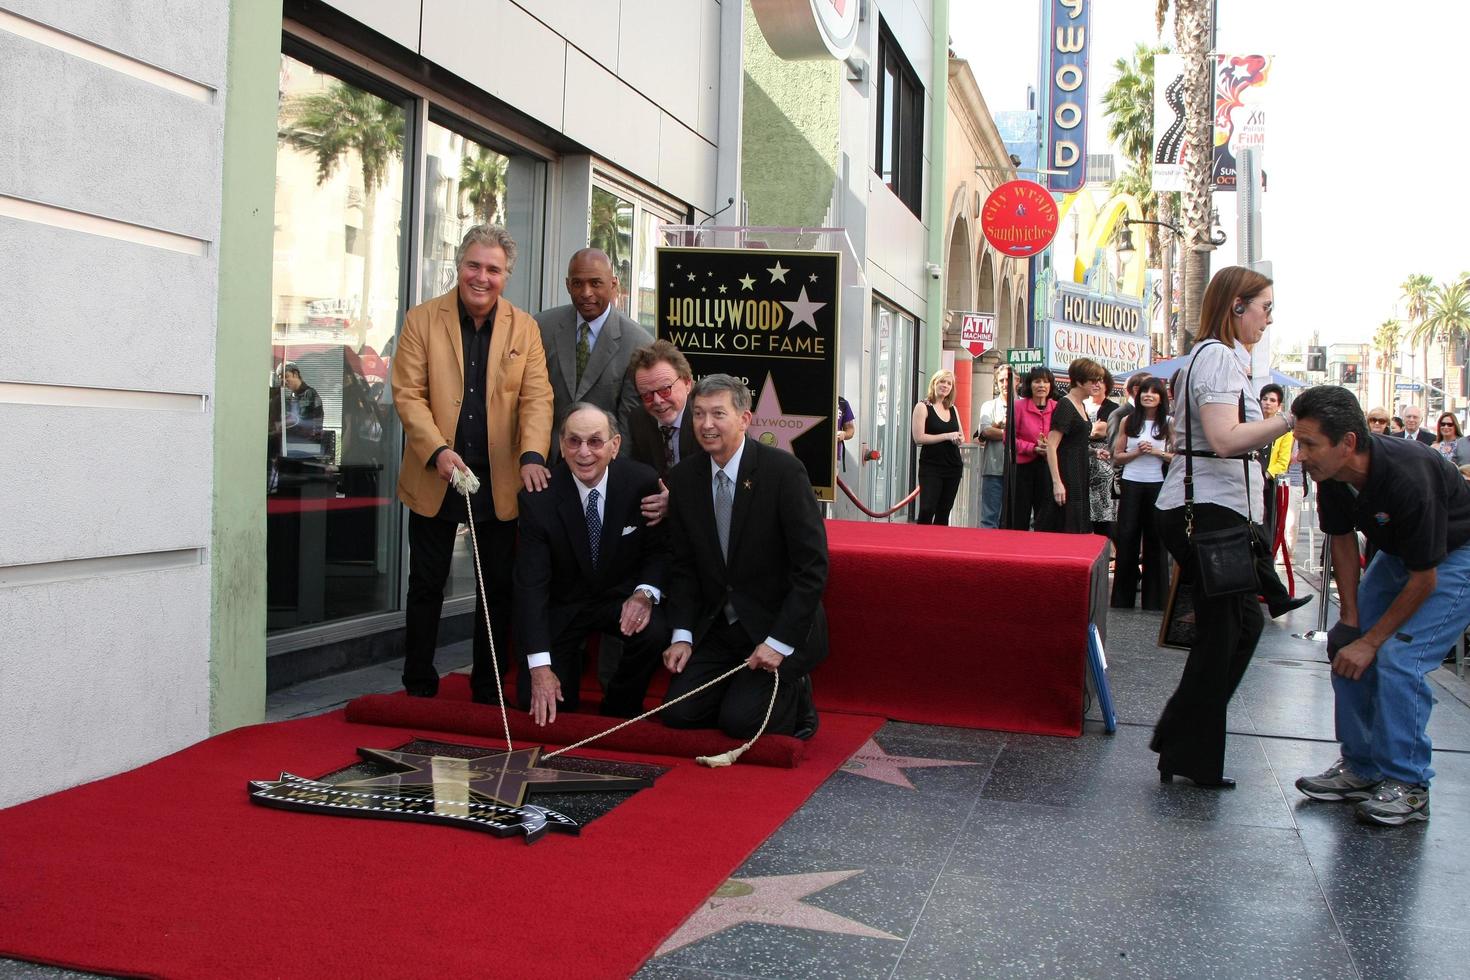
(588, 342)
(588, 562)
(748, 568)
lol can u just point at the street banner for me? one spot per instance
(769, 318)
(1169, 118)
(977, 332)
(1066, 142)
(1240, 111)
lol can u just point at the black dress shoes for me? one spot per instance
(1224, 782)
(420, 689)
(1282, 608)
(806, 709)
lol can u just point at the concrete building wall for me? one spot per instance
(110, 178)
(635, 81)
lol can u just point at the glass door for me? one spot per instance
(891, 394)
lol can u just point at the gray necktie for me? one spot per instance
(724, 502)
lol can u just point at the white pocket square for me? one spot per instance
(629, 529)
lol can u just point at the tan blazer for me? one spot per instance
(428, 385)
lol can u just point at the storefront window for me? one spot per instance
(467, 183)
(612, 231)
(627, 228)
(334, 442)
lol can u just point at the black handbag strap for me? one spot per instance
(1189, 448)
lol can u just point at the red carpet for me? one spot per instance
(452, 711)
(169, 870)
(957, 626)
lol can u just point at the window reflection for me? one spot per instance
(612, 231)
(333, 443)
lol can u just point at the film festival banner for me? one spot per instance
(1240, 111)
(1112, 330)
(769, 318)
(1169, 118)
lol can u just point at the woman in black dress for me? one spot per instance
(936, 430)
(1068, 454)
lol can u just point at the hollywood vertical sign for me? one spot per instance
(1067, 67)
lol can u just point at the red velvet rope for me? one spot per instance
(873, 513)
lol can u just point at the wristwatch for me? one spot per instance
(647, 594)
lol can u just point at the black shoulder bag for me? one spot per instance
(1224, 560)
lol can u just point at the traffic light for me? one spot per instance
(1317, 359)
(1349, 374)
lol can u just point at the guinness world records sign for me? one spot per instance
(1112, 330)
(769, 318)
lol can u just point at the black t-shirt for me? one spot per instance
(1415, 505)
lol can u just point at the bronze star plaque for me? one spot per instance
(460, 785)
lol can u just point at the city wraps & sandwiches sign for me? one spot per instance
(770, 319)
(1112, 330)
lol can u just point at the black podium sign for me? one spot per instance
(771, 319)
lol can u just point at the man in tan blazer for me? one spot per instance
(470, 385)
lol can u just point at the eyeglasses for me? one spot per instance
(657, 394)
(577, 442)
(1268, 307)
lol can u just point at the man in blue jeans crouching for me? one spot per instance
(1411, 604)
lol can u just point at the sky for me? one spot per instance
(1363, 143)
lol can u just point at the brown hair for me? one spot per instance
(1448, 417)
(660, 350)
(1085, 369)
(1217, 313)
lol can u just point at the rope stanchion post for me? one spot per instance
(467, 483)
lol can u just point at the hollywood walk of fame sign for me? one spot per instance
(771, 319)
(459, 785)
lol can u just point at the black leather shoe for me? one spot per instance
(1281, 609)
(420, 689)
(806, 709)
(1224, 782)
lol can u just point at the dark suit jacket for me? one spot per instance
(554, 574)
(777, 568)
(646, 443)
(605, 382)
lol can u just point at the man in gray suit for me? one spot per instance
(588, 343)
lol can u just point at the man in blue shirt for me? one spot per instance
(1397, 618)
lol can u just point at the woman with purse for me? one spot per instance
(1206, 504)
(1144, 447)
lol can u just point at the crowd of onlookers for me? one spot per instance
(1090, 458)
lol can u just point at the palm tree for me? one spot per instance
(1448, 319)
(1192, 34)
(1129, 105)
(331, 125)
(1386, 343)
(482, 182)
(1415, 293)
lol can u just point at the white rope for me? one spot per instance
(467, 483)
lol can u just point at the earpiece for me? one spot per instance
(1240, 309)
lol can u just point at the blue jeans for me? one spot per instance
(1381, 717)
(992, 492)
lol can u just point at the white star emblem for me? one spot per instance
(691, 277)
(802, 310)
(722, 289)
(812, 277)
(746, 283)
(778, 273)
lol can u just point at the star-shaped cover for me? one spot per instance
(500, 777)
